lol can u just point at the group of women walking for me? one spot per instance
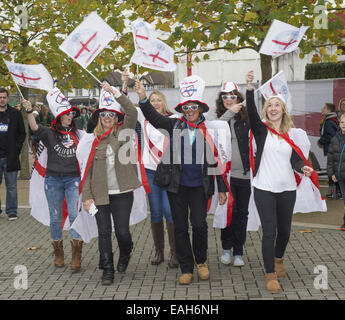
(180, 190)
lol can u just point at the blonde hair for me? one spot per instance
(342, 116)
(286, 123)
(340, 102)
(99, 130)
(162, 96)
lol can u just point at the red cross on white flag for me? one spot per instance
(34, 76)
(277, 86)
(88, 40)
(149, 51)
(282, 38)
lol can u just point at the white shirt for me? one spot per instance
(275, 173)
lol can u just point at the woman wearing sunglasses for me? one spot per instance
(62, 177)
(186, 179)
(111, 179)
(229, 108)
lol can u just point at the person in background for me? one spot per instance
(336, 160)
(328, 129)
(341, 107)
(45, 117)
(12, 136)
(229, 108)
(81, 121)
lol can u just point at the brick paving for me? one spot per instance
(142, 281)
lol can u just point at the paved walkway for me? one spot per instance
(142, 281)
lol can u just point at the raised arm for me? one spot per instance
(256, 124)
(155, 118)
(31, 119)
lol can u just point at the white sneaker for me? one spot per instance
(238, 261)
(226, 257)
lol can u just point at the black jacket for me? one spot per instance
(260, 131)
(168, 174)
(336, 157)
(16, 137)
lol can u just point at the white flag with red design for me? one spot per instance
(34, 76)
(282, 38)
(277, 86)
(150, 52)
(88, 40)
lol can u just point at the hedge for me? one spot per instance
(325, 70)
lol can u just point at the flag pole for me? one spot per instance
(93, 76)
(19, 90)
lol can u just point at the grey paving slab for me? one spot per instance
(143, 281)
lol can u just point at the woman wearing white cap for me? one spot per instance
(110, 180)
(62, 177)
(187, 180)
(229, 108)
(274, 182)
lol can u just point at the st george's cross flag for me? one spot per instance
(149, 51)
(88, 40)
(277, 86)
(282, 38)
(34, 76)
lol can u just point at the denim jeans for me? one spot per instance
(158, 200)
(56, 189)
(11, 187)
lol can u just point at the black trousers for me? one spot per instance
(275, 211)
(119, 208)
(234, 236)
(189, 201)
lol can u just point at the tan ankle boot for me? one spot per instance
(58, 253)
(272, 283)
(77, 246)
(203, 271)
(173, 263)
(158, 240)
(186, 279)
(279, 268)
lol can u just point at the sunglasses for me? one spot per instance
(107, 114)
(71, 113)
(193, 107)
(231, 97)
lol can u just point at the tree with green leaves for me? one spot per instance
(204, 26)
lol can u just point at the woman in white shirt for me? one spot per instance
(274, 181)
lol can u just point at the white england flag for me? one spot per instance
(277, 86)
(150, 52)
(34, 76)
(282, 38)
(88, 40)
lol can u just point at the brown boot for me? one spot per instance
(203, 271)
(272, 283)
(173, 263)
(58, 253)
(77, 246)
(279, 268)
(158, 239)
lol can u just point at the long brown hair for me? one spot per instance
(220, 109)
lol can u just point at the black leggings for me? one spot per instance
(275, 211)
(119, 208)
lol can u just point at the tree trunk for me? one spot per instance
(266, 70)
(24, 155)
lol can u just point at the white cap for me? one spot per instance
(229, 86)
